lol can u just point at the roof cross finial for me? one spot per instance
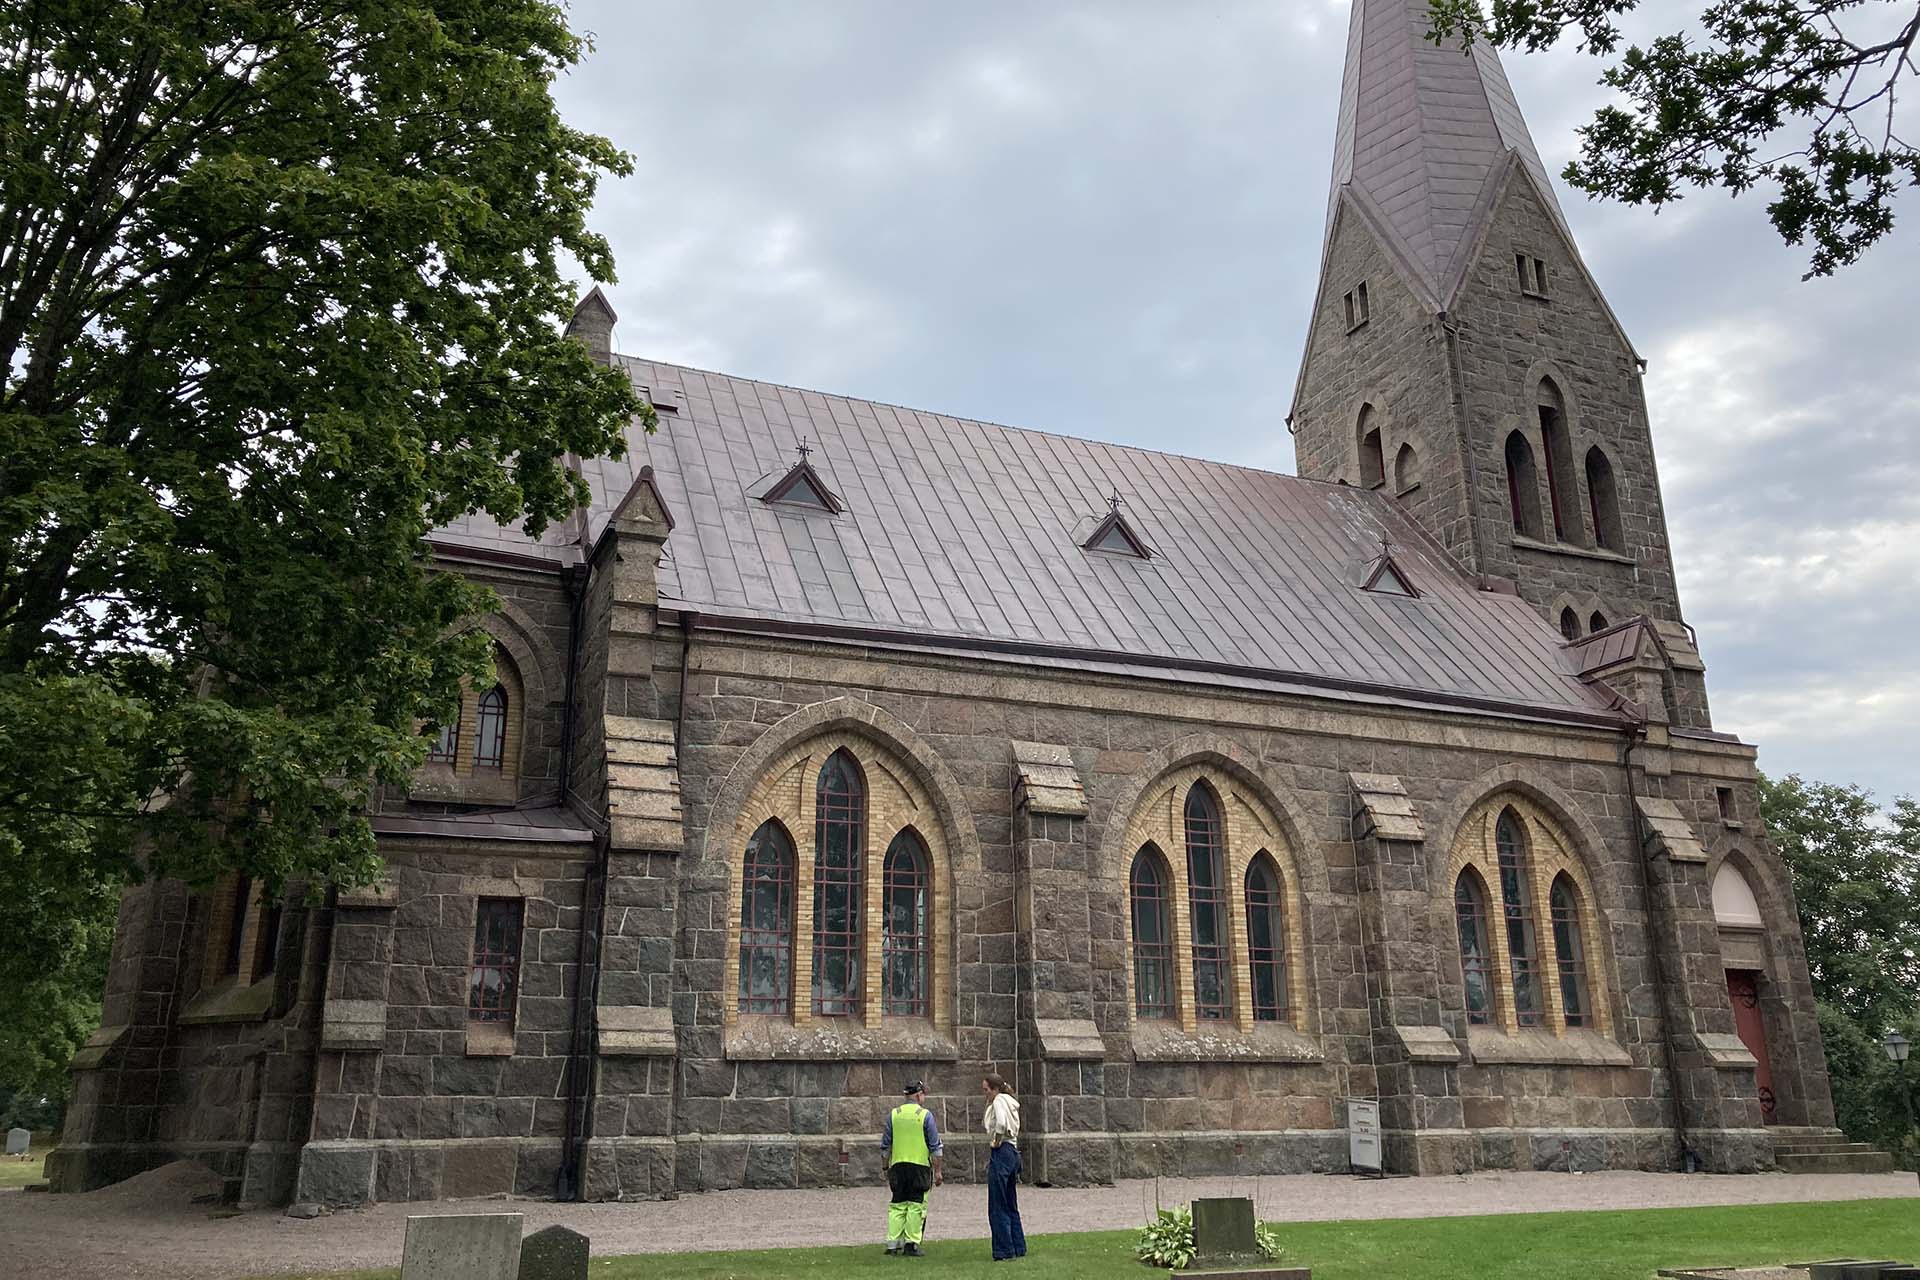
(1113, 502)
(1386, 546)
(803, 450)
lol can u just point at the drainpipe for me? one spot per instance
(1689, 1159)
(688, 618)
(568, 1183)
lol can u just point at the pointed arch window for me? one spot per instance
(1207, 906)
(1523, 486)
(1406, 468)
(1373, 461)
(1569, 624)
(1597, 623)
(1516, 910)
(906, 893)
(1603, 502)
(1560, 484)
(446, 747)
(1266, 940)
(1570, 952)
(840, 805)
(1147, 894)
(490, 745)
(766, 922)
(1476, 956)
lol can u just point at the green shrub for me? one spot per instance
(1167, 1241)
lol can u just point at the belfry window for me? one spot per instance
(1597, 623)
(1373, 461)
(1560, 483)
(1523, 488)
(1569, 624)
(1603, 502)
(1359, 311)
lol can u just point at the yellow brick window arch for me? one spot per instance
(1529, 961)
(1214, 919)
(483, 740)
(840, 904)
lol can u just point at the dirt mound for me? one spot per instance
(171, 1186)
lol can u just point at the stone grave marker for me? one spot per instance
(556, 1253)
(18, 1140)
(462, 1246)
(1223, 1228)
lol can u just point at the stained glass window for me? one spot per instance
(1570, 952)
(490, 750)
(906, 914)
(839, 825)
(1266, 941)
(1516, 909)
(1476, 962)
(766, 922)
(1207, 907)
(1152, 935)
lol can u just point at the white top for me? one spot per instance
(1003, 1118)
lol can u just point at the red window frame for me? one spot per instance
(769, 864)
(1266, 960)
(493, 980)
(904, 947)
(1476, 952)
(1570, 953)
(839, 827)
(490, 742)
(1516, 912)
(1208, 907)
(1149, 898)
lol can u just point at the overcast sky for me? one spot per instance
(1104, 219)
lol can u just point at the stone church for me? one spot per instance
(837, 743)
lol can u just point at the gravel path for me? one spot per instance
(148, 1227)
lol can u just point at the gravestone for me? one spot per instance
(556, 1253)
(462, 1246)
(1223, 1228)
(18, 1140)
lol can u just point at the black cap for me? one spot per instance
(912, 1087)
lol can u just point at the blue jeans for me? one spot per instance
(1003, 1202)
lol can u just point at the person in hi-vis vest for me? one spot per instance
(910, 1143)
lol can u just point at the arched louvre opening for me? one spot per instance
(839, 833)
(1207, 906)
(1148, 895)
(1523, 487)
(1570, 952)
(1476, 955)
(1517, 911)
(1596, 623)
(1554, 438)
(906, 916)
(1373, 460)
(1406, 468)
(1569, 624)
(1603, 501)
(1266, 940)
(766, 922)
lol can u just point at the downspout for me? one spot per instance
(1689, 1159)
(688, 617)
(568, 1184)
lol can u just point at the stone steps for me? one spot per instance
(1855, 1157)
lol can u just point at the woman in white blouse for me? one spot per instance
(1002, 1128)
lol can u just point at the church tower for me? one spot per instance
(1462, 357)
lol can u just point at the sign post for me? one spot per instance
(1363, 1137)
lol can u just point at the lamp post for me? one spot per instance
(1898, 1047)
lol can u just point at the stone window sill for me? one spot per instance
(489, 1040)
(230, 1002)
(1576, 1048)
(1571, 549)
(771, 1039)
(1267, 1042)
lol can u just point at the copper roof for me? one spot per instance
(964, 535)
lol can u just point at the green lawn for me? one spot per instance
(18, 1173)
(1615, 1245)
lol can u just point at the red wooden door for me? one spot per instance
(1743, 990)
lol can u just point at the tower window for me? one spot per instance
(1406, 468)
(1724, 795)
(1560, 485)
(1373, 460)
(1570, 624)
(1533, 274)
(1523, 487)
(1358, 310)
(1598, 622)
(1603, 502)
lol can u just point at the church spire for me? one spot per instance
(1425, 136)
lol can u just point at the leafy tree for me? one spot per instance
(1798, 95)
(279, 292)
(1856, 877)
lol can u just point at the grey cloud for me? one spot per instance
(1104, 219)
